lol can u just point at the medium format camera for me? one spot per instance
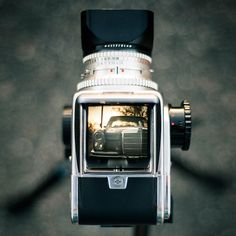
(118, 131)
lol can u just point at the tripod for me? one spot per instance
(62, 171)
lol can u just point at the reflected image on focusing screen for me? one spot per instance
(118, 136)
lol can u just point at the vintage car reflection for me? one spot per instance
(123, 137)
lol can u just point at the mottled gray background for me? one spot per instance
(40, 65)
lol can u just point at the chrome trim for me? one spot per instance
(167, 162)
(83, 133)
(101, 56)
(117, 64)
(116, 81)
(74, 163)
(130, 131)
(166, 137)
(167, 210)
(160, 179)
(160, 205)
(153, 140)
(74, 200)
(117, 68)
(117, 97)
(117, 182)
(117, 172)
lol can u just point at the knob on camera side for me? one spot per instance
(180, 125)
(66, 129)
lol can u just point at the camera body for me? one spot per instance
(118, 131)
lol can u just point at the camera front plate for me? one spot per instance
(118, 178)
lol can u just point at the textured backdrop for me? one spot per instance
(40, 65)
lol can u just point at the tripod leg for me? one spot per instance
(25, 201)
(141, 230)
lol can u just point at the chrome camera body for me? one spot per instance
(118, 131)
